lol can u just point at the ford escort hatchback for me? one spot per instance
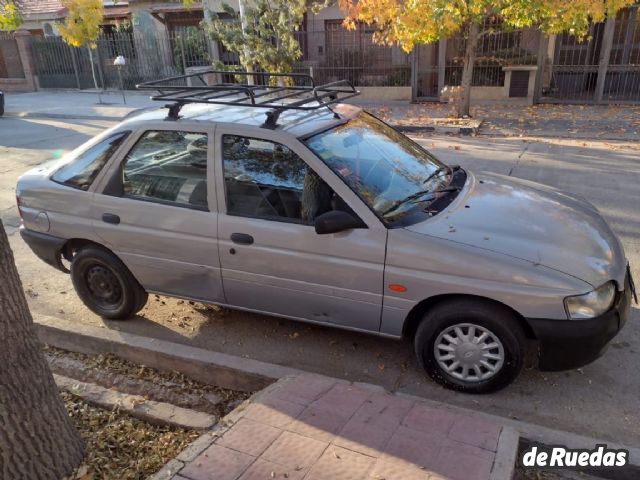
(281, 200)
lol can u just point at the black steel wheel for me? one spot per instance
(105, 284)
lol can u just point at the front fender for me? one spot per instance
(429, 267)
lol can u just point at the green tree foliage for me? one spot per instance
(10, 18)
(190, 48)
(264, 36)
(82, 26)
(407, 23)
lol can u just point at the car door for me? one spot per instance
(157, 211)
(272, 259)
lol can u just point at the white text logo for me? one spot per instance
(555, 457)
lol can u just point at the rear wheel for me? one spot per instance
(105, 284)
(470, 345)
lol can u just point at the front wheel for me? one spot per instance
(105, 284)
(471, 346)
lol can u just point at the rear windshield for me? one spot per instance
(82, 170)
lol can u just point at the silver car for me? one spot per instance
(335, 218)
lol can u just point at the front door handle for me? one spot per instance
(241, 238)
(110, 218)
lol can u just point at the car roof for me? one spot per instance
(299, 123)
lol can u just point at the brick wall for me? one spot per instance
(16, 65)
(10, 63)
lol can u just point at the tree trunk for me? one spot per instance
(247, 53)
(37, 438)
(93, 68)
(467, 70)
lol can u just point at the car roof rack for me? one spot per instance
(296, 91)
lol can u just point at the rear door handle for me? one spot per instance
(110, 218)
(241, 238)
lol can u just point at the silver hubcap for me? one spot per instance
(469, 352)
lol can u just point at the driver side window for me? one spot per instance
(265, 179)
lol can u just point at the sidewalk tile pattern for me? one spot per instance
(316, 428)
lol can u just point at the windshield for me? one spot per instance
(390, 172)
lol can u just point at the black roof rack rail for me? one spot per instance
(296, 91)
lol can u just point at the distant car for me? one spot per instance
(330, 217)
(1, 103)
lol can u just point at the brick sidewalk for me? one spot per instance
(317, 428)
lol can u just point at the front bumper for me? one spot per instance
(47, 247)
(568, 344)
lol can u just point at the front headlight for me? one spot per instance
(591, 304)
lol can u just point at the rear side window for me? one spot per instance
(82, 171)
(168, 167)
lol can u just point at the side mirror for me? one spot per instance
(336, 221)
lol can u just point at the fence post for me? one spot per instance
(605, 53)
(184, 61)
(541, 61)
(414, 73)
(442, 64)
(100, 72)
(74, 61)
(23, 39)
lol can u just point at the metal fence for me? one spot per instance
(497, 47)
(573, 66)
(622, 81)
(329, 54)
(335, 53)
(148, 57)
(571, 72)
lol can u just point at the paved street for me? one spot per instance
(599, 400)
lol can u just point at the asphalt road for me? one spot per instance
(600, 400)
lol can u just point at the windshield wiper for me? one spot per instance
(417, 195)
(440, 170)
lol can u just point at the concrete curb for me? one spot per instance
(170, 469)
(440, 128)
(158, 413)
(65, 116)
(228, 371)
(409, 129)
(406, 129)
(506, 455)
(251, 375)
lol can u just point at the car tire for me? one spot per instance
(105, 285)
(484, 337)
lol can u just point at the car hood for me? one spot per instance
(532, 222)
